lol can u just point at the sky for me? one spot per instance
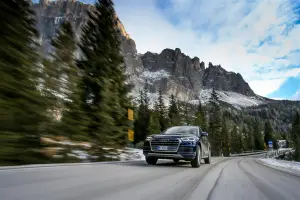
(258, 38)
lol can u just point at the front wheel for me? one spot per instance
(208, 159)
(151, 161)
(197, 160)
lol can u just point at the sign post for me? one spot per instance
(270, 144)
(130, 132)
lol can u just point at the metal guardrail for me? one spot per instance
(276, 153)
(248, 153)
(269, 154)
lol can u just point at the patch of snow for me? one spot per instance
(154, 76)
(107, 148)
(236, 99)
(131, 154)
(81, 154)
(281, 163)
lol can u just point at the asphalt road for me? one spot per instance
(225, 178)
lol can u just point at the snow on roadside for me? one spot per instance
(131, 154)
(281, 163)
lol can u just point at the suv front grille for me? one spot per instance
(171, 144)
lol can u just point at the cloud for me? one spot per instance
(259, 39)
(296, 95)
(263, 87)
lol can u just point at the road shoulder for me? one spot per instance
(281, 169)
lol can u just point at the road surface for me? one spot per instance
(225, 178)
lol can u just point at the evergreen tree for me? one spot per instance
(257, 137)
(200, 119)
(160, 107)
(104, 96)
(226, 142)
(61, 81)
(215, 123)
(295, 135)
(268, 133)
(154, 126)
(23, 107)
(185, 110)
(234, 144)
(173, 112)
(240, 141)
(141, 125)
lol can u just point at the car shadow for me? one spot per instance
(161, 163)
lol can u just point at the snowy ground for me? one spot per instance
(80, 150)
(131, 154)
(285, 165)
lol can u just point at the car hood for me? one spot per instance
(173, 136)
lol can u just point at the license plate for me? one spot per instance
(162, 148)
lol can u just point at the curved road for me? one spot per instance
(224, 179)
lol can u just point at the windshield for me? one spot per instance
(182, 130)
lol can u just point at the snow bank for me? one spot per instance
(131, 154)
(290, 165)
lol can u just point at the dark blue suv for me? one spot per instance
(187, 143)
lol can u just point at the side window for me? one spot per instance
(205, 139)
(198, 132)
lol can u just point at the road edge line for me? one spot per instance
(63, 165)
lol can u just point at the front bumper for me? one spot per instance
(184, 152)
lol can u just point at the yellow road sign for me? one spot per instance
(130, 114)
(130, 135)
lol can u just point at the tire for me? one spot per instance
(176, 160)
(197, 160)
(151, 161)
(208, 159)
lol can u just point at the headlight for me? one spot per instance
(191, 139)
(148, 138)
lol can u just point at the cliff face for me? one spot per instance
(171, 71)
(186, 77)
(216, 76)
(50, 15)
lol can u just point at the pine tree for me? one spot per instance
(215, 123)
(200, 118)
(226, 142)
(173, 112)
(141, 124)
(62, 78)
(249, 141)
(154, 126)
(160, 107)
(234, 144)
(257, 137)
(23, 107)
(104, 91)
(295, 135)
(268, 133)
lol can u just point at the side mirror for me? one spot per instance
(204, 134)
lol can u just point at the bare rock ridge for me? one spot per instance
(171, 71)
(183, 74)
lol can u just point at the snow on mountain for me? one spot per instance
(236, 99)
(154, 76)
